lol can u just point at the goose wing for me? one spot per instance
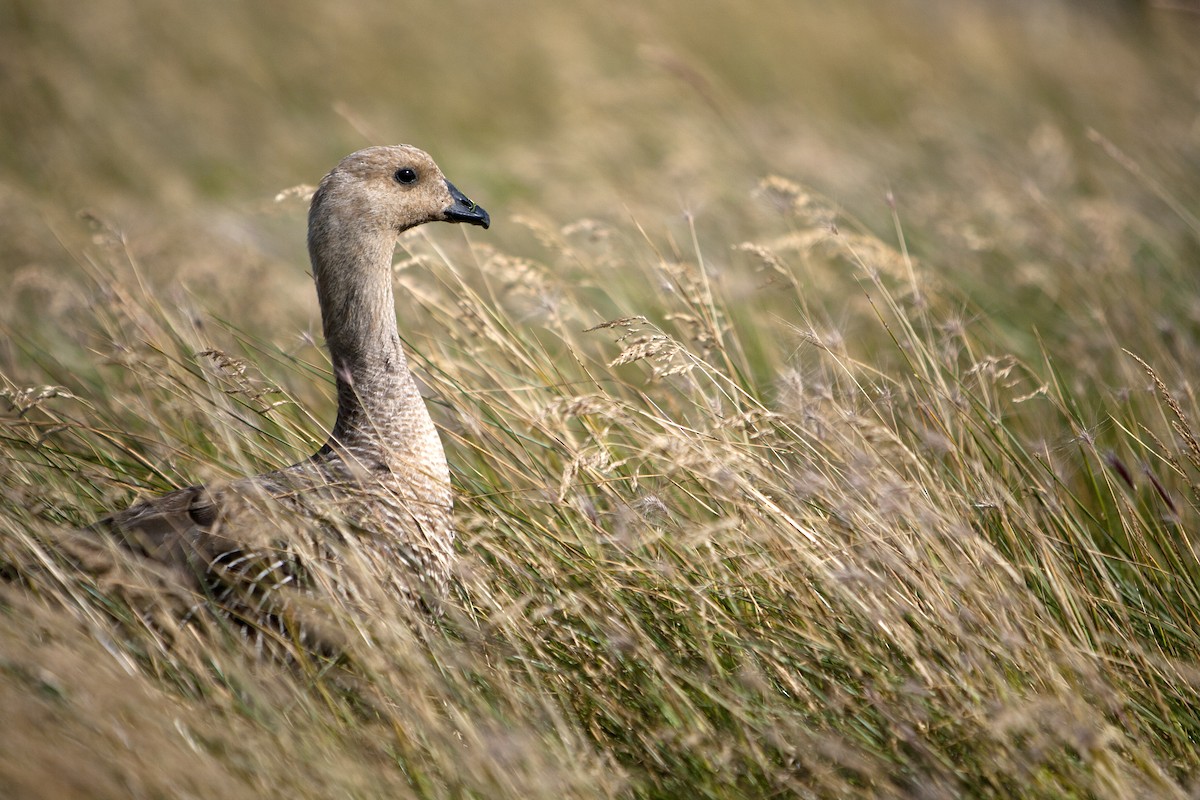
(167, 529)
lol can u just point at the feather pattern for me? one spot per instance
(378, 492)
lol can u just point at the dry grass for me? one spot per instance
(821, 404)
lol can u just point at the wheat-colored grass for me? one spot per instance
(821, 404)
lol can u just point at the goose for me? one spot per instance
(381, 477)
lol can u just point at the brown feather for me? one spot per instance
(378, 492)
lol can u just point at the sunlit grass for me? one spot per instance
(820, 406)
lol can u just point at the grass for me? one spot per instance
(821, 405)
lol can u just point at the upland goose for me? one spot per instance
(382, 477)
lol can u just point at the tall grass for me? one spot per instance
(759, 492)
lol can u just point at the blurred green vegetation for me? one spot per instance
(978, 118)
(889, 508)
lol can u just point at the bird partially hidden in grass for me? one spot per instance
(376, 498)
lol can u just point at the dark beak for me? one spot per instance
(463, 210)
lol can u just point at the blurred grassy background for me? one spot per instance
(176, 123)
(1040, 163)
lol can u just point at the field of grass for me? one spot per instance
(821, 405)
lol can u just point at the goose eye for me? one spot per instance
(406, 175)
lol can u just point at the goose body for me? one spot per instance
(382, 476)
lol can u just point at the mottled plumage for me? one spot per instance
(380, 487)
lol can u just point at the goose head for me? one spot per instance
(383, 191)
